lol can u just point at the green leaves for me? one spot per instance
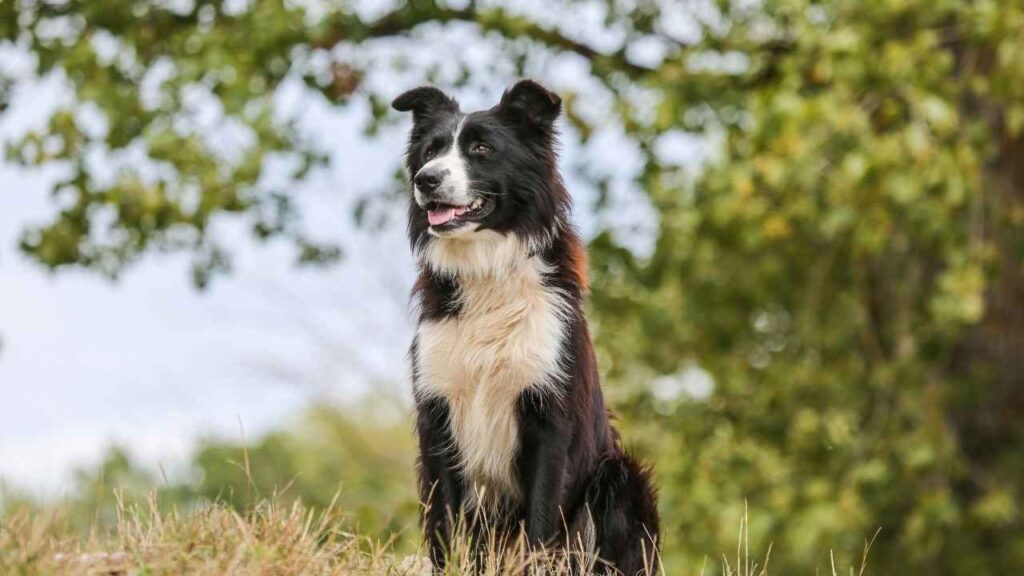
(854, 195)
(152, 177)
(845, 267)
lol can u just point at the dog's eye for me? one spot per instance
(430, 153)
(481, 149)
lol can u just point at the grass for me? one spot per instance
(746, 566)
(273, 539)
(211, 540)
(215, 540)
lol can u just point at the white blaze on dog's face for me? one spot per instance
(485, 174)
(442, 187)
(486, 197)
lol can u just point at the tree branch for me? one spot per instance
(497, 20)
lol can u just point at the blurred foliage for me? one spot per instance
(361, 462)
(848, 271)
(843, 275)
(364, 462)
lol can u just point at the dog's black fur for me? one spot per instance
(570, 463)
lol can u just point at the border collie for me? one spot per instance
(511, 422)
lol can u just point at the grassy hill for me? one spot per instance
(273, 539)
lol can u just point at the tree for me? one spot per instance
(142, 74)
(849, 272)
(845, 267)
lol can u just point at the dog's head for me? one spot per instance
(486, 174)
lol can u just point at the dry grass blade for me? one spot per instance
(286, 540)
(279, 539)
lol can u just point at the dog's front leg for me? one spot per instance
(440, 485)
(545, 434)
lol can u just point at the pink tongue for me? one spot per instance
(439, 217)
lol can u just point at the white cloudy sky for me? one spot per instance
(150, 363)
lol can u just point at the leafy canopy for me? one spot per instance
(843, 276)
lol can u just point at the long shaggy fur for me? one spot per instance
(512, 424)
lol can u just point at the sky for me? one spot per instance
(152, 364)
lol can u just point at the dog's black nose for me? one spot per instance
(428, 180)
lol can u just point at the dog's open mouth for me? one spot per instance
(449, 216)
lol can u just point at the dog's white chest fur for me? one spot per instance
(506, 339)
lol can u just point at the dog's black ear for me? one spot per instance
(530, 103)
(425, 102)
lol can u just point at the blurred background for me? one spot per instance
(806, 229)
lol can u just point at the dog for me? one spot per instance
(511, 421)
